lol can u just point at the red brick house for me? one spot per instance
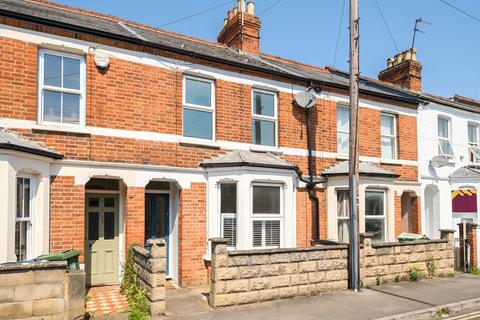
(116, 132)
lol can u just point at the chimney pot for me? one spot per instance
(390, 62)
(235, 11)
(414, 54)
(230, 14)
(225, 21)
(398, 58)
(251, 8)
(241, 6)
(403, 70)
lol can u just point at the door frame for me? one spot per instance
(171, 222)
(117, 194)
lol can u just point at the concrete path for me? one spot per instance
(381, 301)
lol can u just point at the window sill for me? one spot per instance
(260, 148)
(61, 128)
(198, 142)
(341, 156)
(391, 162)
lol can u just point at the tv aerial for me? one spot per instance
(415, 29)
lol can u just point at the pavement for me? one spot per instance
(403, 300)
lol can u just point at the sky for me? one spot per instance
(307, 31)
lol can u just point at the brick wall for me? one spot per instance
(135, 216)
(192, 236)
(67, 215)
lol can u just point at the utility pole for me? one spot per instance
(354, 238)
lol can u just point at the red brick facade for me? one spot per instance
(136, 97)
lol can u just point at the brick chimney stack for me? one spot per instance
(403, 70)
(241, 29)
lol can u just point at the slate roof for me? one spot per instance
(108, 26)
(9, 140)
(466, 172)
(366, 168)
(241, 158)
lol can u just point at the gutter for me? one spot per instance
(38, 152)
(137, 41)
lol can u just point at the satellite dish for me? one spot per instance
(438, 161)
(101, 60)
(305, 99)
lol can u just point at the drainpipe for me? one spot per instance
(310, 183)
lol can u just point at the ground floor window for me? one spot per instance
(23, 218)
(228, 212)
(375, 214)
(266, 216)
(343, 215)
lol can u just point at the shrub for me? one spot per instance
(137, 303)
(475, 271)
(431, 267)
(442, 313)
(397, 278)
(415, 273)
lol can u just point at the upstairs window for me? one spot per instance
(473, 146)
(266, 217)
(444, 136)
(264, 118)
(61, 88)
(343, 129)
(228, 211)
(23, 219)
(388, 136)
(198, 108)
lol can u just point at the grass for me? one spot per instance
(474, 271)
(442, 313)
(415, 273)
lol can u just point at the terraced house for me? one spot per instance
(115, 132)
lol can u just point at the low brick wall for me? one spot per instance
(41, 290)
(151, 268)
(260, 275)
(390, 262)
(240, 277)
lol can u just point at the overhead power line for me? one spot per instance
(338, 33)
(196, 14)
(386, 25)
(460, 10)
(269, 7)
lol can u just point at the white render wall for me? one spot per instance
(439, 178)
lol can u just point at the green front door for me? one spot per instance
(101, 243)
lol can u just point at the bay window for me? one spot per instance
(198, 108)
(375, 205)
(228, 212)
(444, 137)
(388, 138)
(61, 88)
(343, 129)
(264, 118)
(23, 218)
(266, 216)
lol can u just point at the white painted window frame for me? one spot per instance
(340, 132)
(273, 119)
(230, 215)
(473, 157)
(267, 217)
(337, 216)
(196, 107)
(448, 139)
(385, 210)
(391, 137)
(31, 220)
(41, 87)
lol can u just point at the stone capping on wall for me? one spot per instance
(41, 290)
(248, 276)
(151, 269)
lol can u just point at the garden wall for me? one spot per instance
(239, 277)
(151, 268)
(41, 290)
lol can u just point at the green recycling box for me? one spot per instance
(71, 256)
(405, 236)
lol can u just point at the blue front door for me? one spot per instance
(157, 219)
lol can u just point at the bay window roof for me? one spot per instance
(365, 168)
(12, 141)
(242, 158)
